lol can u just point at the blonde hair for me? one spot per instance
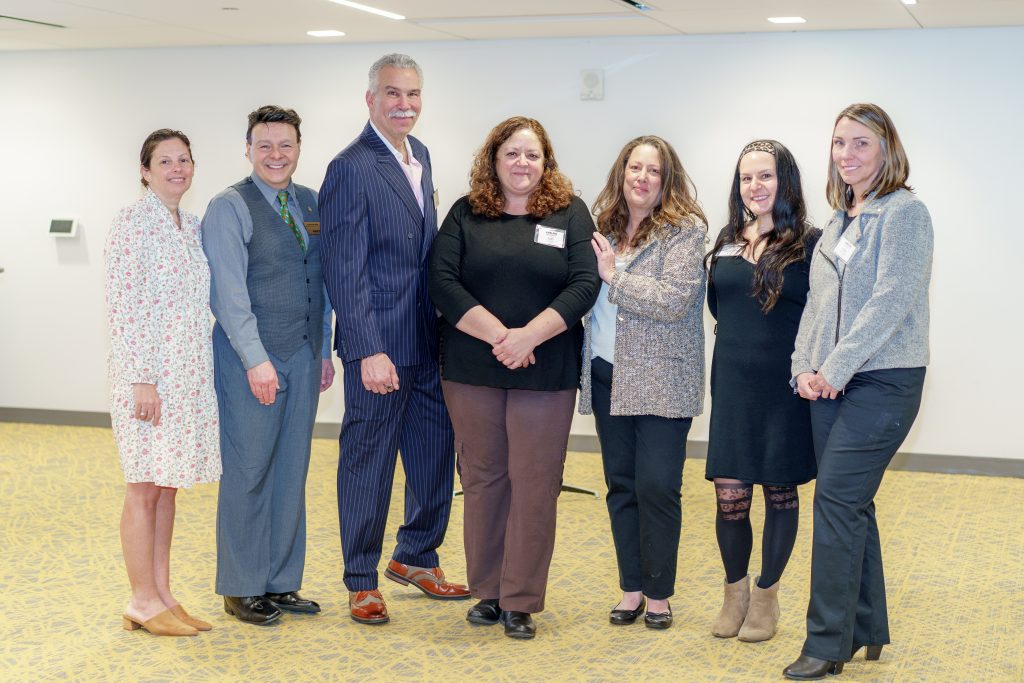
(895, 168)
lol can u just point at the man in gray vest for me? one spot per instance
(271, 347)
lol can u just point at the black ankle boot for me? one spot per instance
(807, 668)
(871, 654)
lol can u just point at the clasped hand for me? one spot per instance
(813, 386)
(514, 348)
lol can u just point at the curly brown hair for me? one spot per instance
(678, 205)
(486, 198)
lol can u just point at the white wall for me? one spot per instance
(71, 124)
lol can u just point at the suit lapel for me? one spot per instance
(429, 215)
(388, 168)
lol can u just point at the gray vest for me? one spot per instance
(285, 286)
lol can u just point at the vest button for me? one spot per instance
(307, 280)
(305, 337)
(410, 235)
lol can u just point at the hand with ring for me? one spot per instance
(147, 403)
(605, 257)
(379, 374)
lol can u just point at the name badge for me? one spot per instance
(437, 199)
(196, 252)
(844, 250)
(312, 227)
(549, 237)
(730, 250)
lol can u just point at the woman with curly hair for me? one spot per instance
(512, 273)
(643, 364)
(760, 431)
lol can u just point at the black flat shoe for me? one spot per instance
(486, 612)
(807, 668)
(518, 625)
(254, 609)
(659, 620)
(624, 617)
(293, 602)
(871, 654)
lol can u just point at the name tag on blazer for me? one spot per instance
(312, 227)
(549, 237)
(844, 250)
(437, 199)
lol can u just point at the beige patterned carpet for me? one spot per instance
(954, 549)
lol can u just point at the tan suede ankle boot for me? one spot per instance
(737, 599)
(763, 615)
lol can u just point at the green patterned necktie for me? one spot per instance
(286, 216)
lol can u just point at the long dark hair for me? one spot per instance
(785, 243)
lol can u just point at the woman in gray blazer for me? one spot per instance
(860, 359)
(643, 364)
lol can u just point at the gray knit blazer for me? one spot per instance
(659, 330)
(870, 313)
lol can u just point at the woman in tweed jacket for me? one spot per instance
(860, 359)
(643, 364)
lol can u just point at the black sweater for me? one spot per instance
(496, 263)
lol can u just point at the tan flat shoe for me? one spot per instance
(163, 624)
(185, 617)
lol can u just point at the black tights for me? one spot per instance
(735, 536)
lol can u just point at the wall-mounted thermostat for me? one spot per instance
(62, 227)
(592, 84)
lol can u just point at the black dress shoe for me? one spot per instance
(660, 620)
(253, 609)
(486, 612)
(624, 617)
(518, 625)
(807, 668)
(293, 602)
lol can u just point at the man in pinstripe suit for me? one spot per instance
(379, 219)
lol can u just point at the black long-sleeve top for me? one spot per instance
(500, 265)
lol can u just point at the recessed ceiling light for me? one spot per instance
(787, 20)
(371, 10)
(330, 33)
(909, 2)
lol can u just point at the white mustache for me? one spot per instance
(409, 114)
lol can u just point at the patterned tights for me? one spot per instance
(735, 536)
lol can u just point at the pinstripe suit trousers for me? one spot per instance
(414, 421)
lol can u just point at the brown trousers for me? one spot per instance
(511, 451)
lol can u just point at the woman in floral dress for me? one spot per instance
(163, 408)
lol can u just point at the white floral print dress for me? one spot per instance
(158, 310)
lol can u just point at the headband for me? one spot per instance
(759, 146)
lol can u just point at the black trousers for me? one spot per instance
(855, 437)
(643, 459)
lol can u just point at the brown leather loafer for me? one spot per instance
(367, 607)
(430, 581)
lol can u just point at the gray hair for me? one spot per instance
(396, 60)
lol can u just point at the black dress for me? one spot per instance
(760, 430)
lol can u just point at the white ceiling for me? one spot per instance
(181, 23)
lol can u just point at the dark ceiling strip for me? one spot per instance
(32, 21)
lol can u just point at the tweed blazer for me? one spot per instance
(871, 311)
(659, 329)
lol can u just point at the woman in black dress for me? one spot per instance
(760, 430)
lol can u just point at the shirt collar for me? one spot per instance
(269, 193)
(394, 150)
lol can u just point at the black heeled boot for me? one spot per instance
(807, 668)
